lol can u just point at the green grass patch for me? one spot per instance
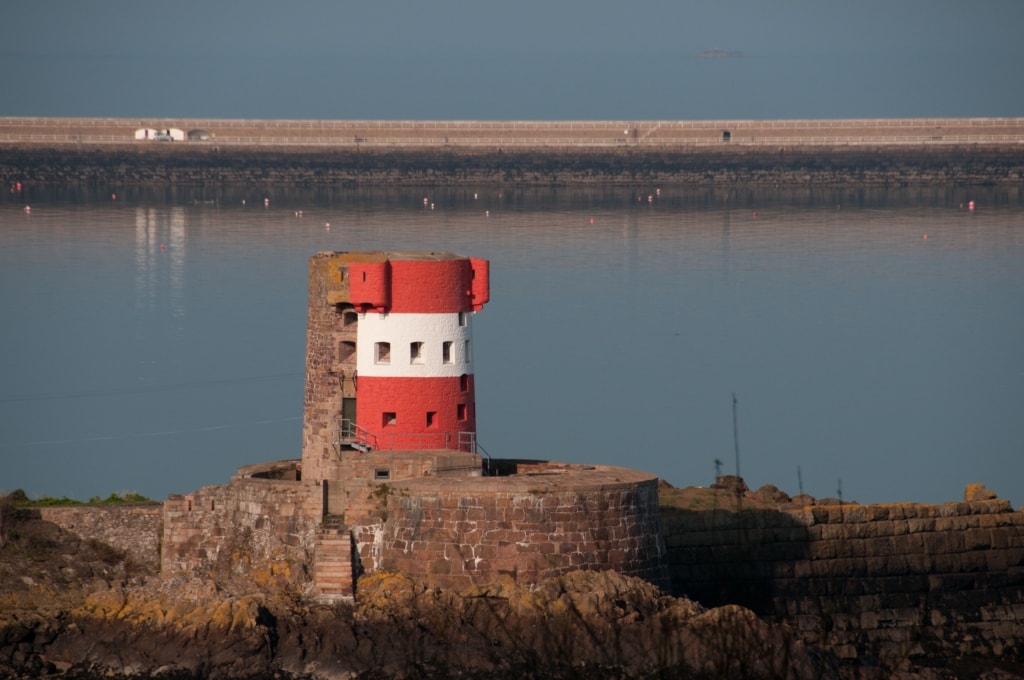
(20, 499)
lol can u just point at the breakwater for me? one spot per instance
(104, 152)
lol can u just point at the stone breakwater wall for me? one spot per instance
(460, 532)
(889, 581)
(118, 167)
(134, 530)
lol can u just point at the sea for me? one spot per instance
(865, 344)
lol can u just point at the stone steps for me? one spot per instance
(332, 564)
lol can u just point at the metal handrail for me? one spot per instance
(350, 434)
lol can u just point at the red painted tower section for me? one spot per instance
(390, 354)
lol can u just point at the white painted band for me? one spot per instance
(401, 331)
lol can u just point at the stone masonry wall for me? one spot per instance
(892, 581)
(327, 381)
(455, 533)
(258, 528)
(136, 530)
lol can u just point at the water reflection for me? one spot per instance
(619, 329)
(160, 237)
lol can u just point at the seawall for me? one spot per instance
(103, 152)
(891, 582)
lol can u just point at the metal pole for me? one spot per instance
(735, 434)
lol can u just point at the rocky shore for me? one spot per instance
(78, 609)
(893, 591)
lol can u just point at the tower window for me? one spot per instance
(464, 382)
(469, 352)
(416, 352)
(349, 318)
(461, 411)
(462, 319)
(390, 418)
(446, 352)
(431, 418)
(383, 353)
(346, 350)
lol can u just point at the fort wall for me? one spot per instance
(459, 532)
(449, 531)
(895, 581)
(257, 528)
(135, 530)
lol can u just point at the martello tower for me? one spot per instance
(391, 475)
(389, 357)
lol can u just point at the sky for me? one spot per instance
(528, 60)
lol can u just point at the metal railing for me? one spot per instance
(360, 439)
(468, 442)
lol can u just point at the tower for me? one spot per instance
(389, 359)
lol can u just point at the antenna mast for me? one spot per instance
(735, 434)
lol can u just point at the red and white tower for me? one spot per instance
(390, 352)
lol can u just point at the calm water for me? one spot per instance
(874, 341)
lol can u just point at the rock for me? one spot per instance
(977, 492)
(769, 493)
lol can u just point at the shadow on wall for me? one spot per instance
(733, 556)
(895, 581)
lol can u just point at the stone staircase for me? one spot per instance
(333, 579)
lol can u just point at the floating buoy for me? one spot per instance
(926, 237)
(754, 215)
(163, 247)
(266, 202)
(970, 205)
(28, 208)
(327, 226)
(426, 201)
(591, 220)
(17, 186)
(113, 197)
